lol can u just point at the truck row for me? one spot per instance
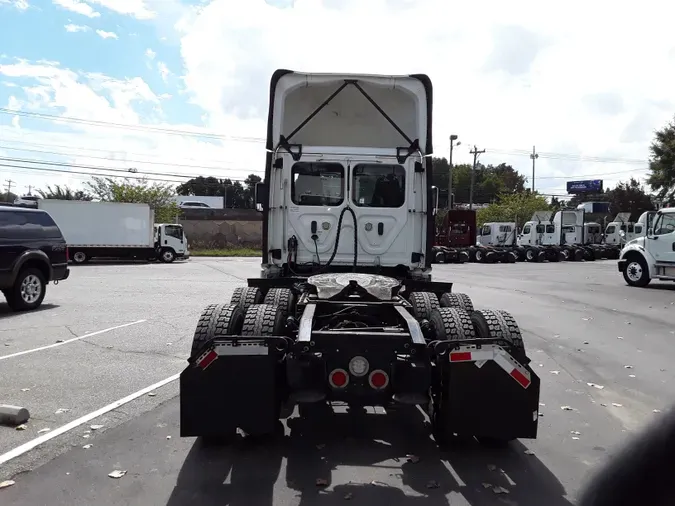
(565, 236)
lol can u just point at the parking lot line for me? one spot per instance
(20, 450)
(91, 334)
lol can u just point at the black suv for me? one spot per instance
(33, 252)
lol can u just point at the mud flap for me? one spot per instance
(233, 391)
(485, 401)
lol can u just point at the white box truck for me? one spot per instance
(115, 230)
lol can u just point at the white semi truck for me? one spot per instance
(115, 230)
(651, 256)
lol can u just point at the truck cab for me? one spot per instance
(497, 234)
(621, 230)
(651, 256)
(171, 241)
(348, 175)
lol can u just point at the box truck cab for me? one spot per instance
(170, 242)
(653, 255)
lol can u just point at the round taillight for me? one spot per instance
(378, 379)
(338, 378)
(359, 366)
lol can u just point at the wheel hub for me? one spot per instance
(30, 289)
(634, 271)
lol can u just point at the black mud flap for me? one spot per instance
(233, 391)
(488, 402)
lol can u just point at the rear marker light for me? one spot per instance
(378, 379)
(338, 378)
(207, 359)
(460, 356)
(359, 366)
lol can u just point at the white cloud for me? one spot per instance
(76, 28)
(527, 73)
(107, 35)
(22, 5)
(78, 7)
(163, 71)
(134, 8)
(150, 53)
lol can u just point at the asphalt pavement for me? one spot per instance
(96, 366)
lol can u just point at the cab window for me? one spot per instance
(317, 184)
(665, 224)
(541, 229)
(526, 230)
(610, 230)
(550, 229)
(378, 185)
(487, 230)
(638, 229)
(505, 228)
(174, 231)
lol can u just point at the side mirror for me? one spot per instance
(261, 196)
(622, 234)
(435, 188)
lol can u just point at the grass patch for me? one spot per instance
(227, 252)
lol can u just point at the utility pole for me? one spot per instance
(534, 157)
(30, 187)
(475, 154)
(9, 187)
(453, 138)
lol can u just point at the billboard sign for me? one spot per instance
(589, 186)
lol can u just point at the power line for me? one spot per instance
(129, 126)
(569, 156)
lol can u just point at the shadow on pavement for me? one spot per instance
(6, 312)
(367, 455)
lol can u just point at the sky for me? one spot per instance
(179, 88)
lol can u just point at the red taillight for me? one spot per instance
(378, 379)
(338, 378)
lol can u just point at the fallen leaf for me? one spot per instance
(117, 473)
(168, 437)
(85, 436)
(542, 404)
(7, 344)
(151, 394)
(86, 447)
(25, 389)
(61, 410)
(603, 404)
(42, 431)
(96, 427)
(7, 483)
(555, 372)
(500, 490)
(631, 375)
(656, 410)
(529, 452)
(348, 496)
(59, 340)
(575, 438)
(432, 484)
(23, 426)
(413, 458)
(619, 337)
(595, 385)
(566, 408)
(575, 432)
(628, 366)
(617, 405)
(586, 342)
(541, 414)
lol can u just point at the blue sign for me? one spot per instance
(590, 186)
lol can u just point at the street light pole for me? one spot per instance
(453, 138)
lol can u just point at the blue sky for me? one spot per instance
(526, 74)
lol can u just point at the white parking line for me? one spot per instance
(20, 450)
(91, 334)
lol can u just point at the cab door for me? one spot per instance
(661, 243)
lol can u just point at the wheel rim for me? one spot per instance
(634, 271)
(79, 257)
(31, 289)
(168, 256)
(529, 254)
(479, 256)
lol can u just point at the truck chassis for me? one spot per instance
(361, 339)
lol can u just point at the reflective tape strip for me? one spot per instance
(496, 353)
(207, 358)
(241, 348)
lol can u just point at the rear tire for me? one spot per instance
(245, 297)
(637, 272)
(498, 324)
(282, 297)
(451, 324)
(263, 320)
(216, 320)
(28, 292)
(80, 257)
(457, 300)
(423, 303)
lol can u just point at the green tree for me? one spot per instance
(235, 194)
(7, 196)
(513, 207)
(662, 163)
(630, 197)
(160, 197)
(64, 193)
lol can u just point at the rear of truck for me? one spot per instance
(345, 309)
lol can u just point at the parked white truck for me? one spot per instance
(115, 230)
(651, 256)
